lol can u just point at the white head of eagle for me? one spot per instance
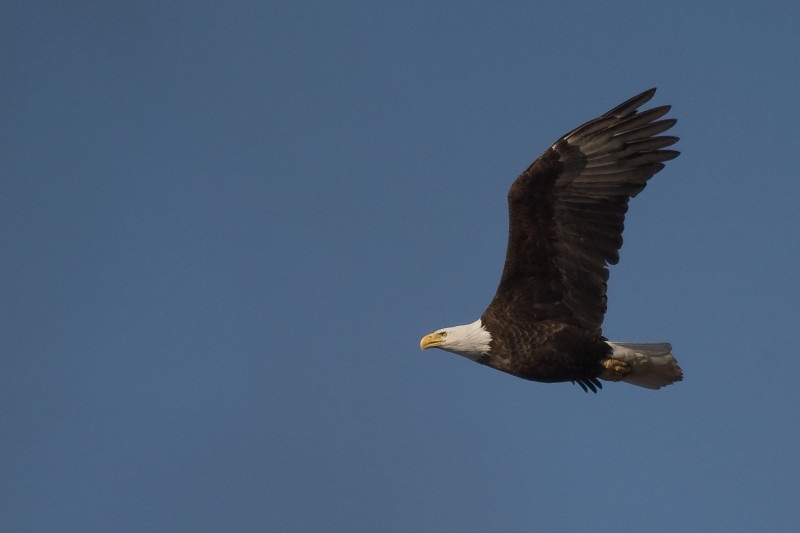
(470, 340)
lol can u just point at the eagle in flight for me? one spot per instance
(566, 214)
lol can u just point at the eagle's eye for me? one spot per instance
(443, 334)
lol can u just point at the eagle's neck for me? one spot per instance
(470, 340)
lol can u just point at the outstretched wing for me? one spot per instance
(566, 214)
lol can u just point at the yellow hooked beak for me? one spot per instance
(432, 340)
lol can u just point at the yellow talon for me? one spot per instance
(615, 370)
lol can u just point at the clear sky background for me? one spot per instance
(226, 225)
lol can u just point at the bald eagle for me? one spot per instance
(566, 214)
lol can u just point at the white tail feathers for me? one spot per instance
(652, 366)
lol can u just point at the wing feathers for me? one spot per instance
(632, 104)
(567, 211)
(630, 149)
(645, 131)
(640, 119)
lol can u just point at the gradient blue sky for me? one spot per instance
(225, 226)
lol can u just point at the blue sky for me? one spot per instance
(225, 227)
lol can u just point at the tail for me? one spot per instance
(652, 366)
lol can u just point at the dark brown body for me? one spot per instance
(546, 351)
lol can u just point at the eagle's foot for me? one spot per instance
(614, 370)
